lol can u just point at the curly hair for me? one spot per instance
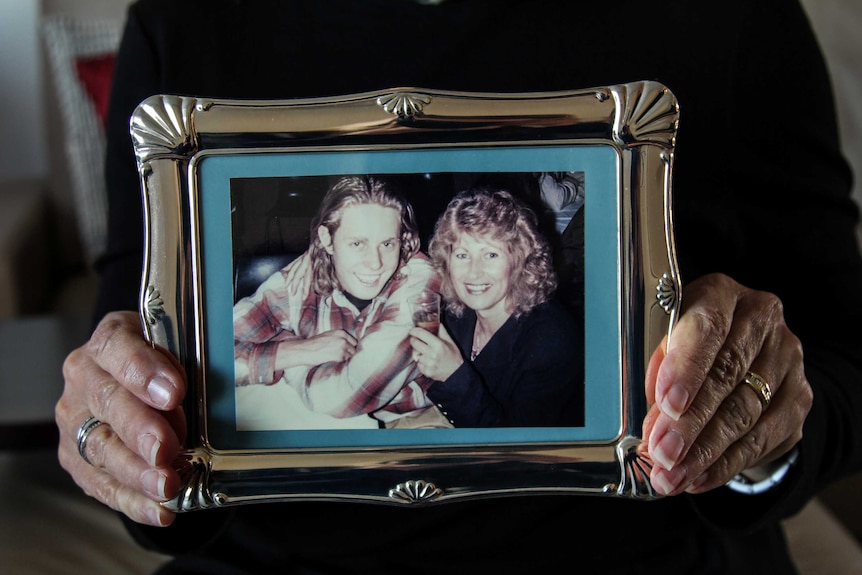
(352, 191)
(497, 214)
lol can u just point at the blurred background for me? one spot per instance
(56, 59)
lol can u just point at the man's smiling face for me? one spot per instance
(365, 249)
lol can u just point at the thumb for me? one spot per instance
(652, 370)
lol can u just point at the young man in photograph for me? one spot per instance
(342, 343)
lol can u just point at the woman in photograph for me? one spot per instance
(506, 355)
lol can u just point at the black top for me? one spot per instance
(529, 374)
(761, 194)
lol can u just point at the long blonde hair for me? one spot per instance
(352, 191)
(497, 214)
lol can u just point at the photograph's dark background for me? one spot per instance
(271, 220)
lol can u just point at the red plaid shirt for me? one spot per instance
(381, 379)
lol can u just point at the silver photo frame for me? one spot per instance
(211, 172)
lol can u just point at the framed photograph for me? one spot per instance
(410, 296)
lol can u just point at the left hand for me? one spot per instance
(705, 426)
(436, 357)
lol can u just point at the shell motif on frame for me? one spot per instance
(415, 491)
(163, 126)
(404, 104)
(647, 112)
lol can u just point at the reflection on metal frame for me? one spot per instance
(638, 120)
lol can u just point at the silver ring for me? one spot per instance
(89, 425)
(760, 386)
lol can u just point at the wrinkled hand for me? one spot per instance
(436, 357)
(135, 390)
(705, 427)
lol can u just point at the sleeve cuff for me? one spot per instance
(743, 484)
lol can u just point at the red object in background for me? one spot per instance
(96, 73)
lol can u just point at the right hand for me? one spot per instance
(330, 346)
(135, 390)
(436, 356)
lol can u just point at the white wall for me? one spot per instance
(25, 127)
(838, 25)
(23, 147)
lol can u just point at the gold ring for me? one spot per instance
(760, 386)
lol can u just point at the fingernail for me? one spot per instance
(149, 446)
(675, 401)
(668, 450)
(159, 391)
(154, 514)
(666, 481)
(154, 483)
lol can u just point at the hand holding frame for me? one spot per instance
(135, 390)
(704, 427)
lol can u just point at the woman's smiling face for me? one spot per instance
(481, 268)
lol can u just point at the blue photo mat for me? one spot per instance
(603, 368)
